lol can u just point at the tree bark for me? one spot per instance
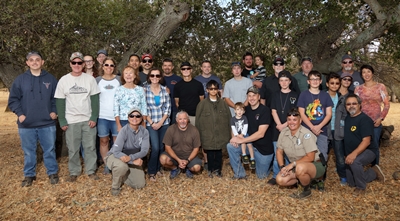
(8, 73)
(165, 24)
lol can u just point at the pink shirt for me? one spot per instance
(372, 99)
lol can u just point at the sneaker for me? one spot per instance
(160, 173)
(313, 184)
(152, 177)
(272, 181)
(210, 174)
(106, 170)
(189, 174)
(379, 175)
(72, 178)
(217, 173)
(206, 166)
(301, 195)
(93, 176)
(174, 173)
(28, 181)
(239, 178)
(115, 192)
(252, 164)
(343, 181)
(53, 178)
(321, 186)
(245, 159)
(358, 192)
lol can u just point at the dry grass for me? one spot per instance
(182, 199)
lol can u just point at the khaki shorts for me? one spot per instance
(320, 169)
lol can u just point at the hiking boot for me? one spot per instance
(174, 173)
(343, 181)
(210, 174)
(358, 192)
(115, 192)
(380, 177)
(252, 164)
(301, 195)
(313, 184)
(272, 181)
(27, 181)
(54, 178)
(152, 177)
(189, 174)
(206, 166)
(321, 186)
(106, 170)
(93, 176)
(239, 178)
(217, 173)
(72, 178)
(245, 159)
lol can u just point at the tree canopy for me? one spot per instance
(199, 30)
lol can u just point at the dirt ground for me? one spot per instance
(202, 198)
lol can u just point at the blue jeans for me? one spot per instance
(263, 162)
(322, 144)
(375, 139)
(157, 147)
(47, 139)
(275, 167)
(338, 149)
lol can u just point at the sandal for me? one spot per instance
(152, 177)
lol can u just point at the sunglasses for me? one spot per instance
(212, 89)
(346, 79)
(334, 83)
(111, 65)
(135, 115)
(185, 69)
(155, 75)
(347, 62)
(293, 114)
(349, 104)
(278, 64)
(76, 62)
(148, 61)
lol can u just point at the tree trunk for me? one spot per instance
(165, 24)
(8, 73)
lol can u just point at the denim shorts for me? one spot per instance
(104, 127)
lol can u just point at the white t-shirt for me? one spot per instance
(107, 91)
(77, 91)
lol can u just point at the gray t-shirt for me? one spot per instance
(236, 90)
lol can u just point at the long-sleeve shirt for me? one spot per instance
(156, 110)
(134, 144)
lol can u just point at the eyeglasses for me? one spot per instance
(88, 61)
(111, 65)
(212, 89)
(155, 75)
(346, 79)
(314, 79)
(148, 61)
(76, 62)
(347, 62)
(351, 104)
(278, 64)
(135, 115)
(185, 69)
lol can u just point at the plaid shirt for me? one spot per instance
(156, 112)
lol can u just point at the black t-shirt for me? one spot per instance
(282, 103)
(246, 73)
(355, 129)
(260, 116)
(189, 95)
(271, 85)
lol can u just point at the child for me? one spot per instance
(239, 125)
(260, 72)
(213, 121)
(282, 102)
(316, 111)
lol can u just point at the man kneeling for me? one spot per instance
(300, 145)
(182, 143)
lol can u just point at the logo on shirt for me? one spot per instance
(47, 85)
(239, 126)
(109, 87)
(353, 128)
(77, 90)
(292, 100)
(314, 110)
(173, 82)
(307, 136)
(257, 116)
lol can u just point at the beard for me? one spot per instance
(348, 68)
(352, 111)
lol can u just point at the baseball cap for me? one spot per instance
(285, 73)
(346, 75)
(347, 56)
(102, 51)
(32, 53)
(134, 109)
(76, 55)
(147, 56)
(306, 59)
(235, 63)
(253, 89)
(186, 63)
(279, 60)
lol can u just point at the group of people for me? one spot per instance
(284, 121)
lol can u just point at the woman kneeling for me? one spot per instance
(300, 146)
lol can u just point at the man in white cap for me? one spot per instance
(348, 67)
(77, 101)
